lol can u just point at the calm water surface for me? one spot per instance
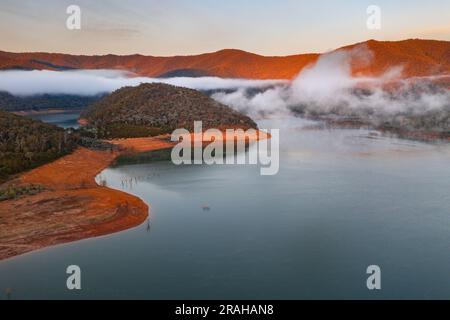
(343, 200)
(62, 119)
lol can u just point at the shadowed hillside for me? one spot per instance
(8, 102)
(26, 143)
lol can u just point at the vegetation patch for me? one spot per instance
(125, 130)
(9, 102)
(145, 157)
(27, 143)
(14, 192)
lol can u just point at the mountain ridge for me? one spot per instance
(419, 57)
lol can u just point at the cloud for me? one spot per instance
(92, 82)
(328, 89)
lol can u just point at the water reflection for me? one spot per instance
(343, 200)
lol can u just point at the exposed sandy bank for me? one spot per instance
(73, 207)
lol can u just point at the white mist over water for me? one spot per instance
(328, 87)
(93, 82)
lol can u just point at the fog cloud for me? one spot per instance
(92, 82)
(329, 88)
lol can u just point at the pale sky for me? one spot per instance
(180, 27)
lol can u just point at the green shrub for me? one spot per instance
(14, 192)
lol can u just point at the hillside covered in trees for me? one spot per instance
(9, 102)
(152, 109)
(26, 143)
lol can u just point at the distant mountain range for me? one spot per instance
(8, 102)
(418, 58)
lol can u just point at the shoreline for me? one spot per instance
(45, 111)
(72, 206)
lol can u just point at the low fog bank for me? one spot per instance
(95, 82)
(328, 91)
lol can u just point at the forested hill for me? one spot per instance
(26, 143)
(155, 108)
(8, 102)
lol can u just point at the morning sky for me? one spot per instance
(179, 27)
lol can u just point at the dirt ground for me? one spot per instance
(73, 206)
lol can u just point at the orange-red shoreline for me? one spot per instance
(73, 206)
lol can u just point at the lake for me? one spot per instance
(342, 200)
(65, 120)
